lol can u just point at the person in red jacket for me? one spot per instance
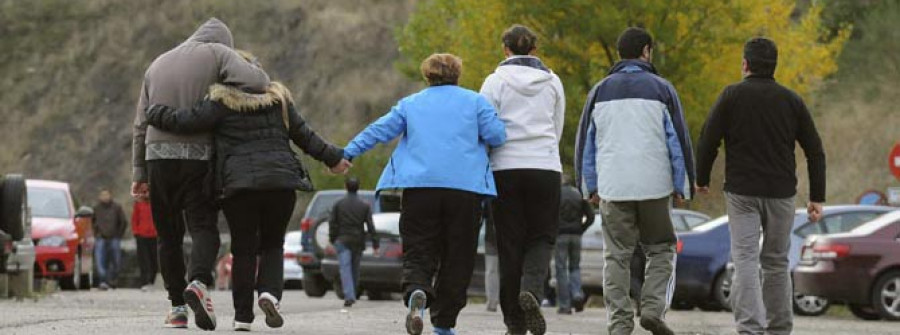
(145, 237)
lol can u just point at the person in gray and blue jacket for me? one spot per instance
(635, 154)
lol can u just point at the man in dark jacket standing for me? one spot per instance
(174, 168)
(575, 216)
(761, 121)
(351, 218)
(109, 228)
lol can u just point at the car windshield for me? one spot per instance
(49, 203)
(323, 202)
(712, 224)
(876, 225)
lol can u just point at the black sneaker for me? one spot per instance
(564, 311)
(348, 303)
(415, 318)
(655, 326)
(578, 304)
(534, 320)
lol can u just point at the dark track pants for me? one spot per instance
(258, 221)
(439, 229)
(526, 215)
(176, 191)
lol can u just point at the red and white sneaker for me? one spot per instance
(177, 318)
(197, 298)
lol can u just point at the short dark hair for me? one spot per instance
(632, 41)
(761, 55)
(519, 39)
(352, 184)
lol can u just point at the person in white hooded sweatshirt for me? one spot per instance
(530, 101)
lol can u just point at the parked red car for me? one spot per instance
(64, 244)
(861, 268)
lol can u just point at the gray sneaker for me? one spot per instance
(270, 306)
(415, 318)
(534, 319)
(197, 298)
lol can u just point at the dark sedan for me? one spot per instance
(703, 254)
(861, 268)
(380, 275)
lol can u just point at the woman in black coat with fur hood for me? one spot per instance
(256, 176)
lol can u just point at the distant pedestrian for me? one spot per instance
(256, 178)
(529, 98)
(145, 238)
(350, 222)
(635, 155)
(441, 163)
(110, 224)
(575, 216)
(491, 262)
(761, 122)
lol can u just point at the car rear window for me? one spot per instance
(323, 202)
(49, 203)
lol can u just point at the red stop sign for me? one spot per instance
(894, 161)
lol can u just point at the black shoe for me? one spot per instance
(564, 311)
(348, 303)
(534, 320)
(578, 304)
(656, 326)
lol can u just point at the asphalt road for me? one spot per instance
(132, 312)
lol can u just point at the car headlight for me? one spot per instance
(52, 241)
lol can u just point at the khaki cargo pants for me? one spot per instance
(625, 223)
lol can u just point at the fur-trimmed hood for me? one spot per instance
(240, 101)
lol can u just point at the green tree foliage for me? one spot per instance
(699, 43)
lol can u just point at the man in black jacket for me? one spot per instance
(760, 122)
(575, 215)
(109, 228)
(349, 217)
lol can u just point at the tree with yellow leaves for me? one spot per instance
(698, 43)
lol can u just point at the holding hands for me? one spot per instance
(342, 167)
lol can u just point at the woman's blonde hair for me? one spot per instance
(442, 69)
(281, 92)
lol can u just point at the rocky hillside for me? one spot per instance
(72, 71)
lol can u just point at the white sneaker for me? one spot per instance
(269, 305)
(242, 326)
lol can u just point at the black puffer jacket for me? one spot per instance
(252, 134)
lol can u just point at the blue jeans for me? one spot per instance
(108, 254)
(348, 258)
(568, 270)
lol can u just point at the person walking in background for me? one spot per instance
(636, 154)
(109, 228)
(145, 238)
(174, 168)
(491, 262)
(761, 122)
(575, 216)
(441, 164)
(529, 98)
(350, 220)
(256, 179)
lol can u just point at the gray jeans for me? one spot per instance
(762, 305)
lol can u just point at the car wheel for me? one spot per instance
(886, 296)
(721, 291)
(810, 305)
(864, 312)
(314, 285)
(13, 204)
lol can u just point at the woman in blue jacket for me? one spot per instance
(442, 166)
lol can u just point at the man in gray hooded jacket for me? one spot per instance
(173, 168)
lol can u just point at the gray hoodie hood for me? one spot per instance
(213, 31)
(526, 80)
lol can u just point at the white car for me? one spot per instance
(293, 272)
